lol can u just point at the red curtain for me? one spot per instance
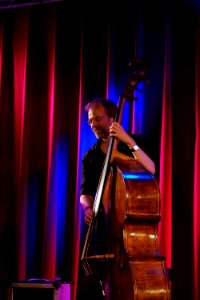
(52, 62)
(196, 202)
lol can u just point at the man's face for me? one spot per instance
(99, 121)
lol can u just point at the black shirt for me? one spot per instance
(92, 163)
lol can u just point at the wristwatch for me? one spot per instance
(134, 148)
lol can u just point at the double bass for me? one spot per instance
(132, 267)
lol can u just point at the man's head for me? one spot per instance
(101, 114)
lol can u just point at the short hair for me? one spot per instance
(109, 106)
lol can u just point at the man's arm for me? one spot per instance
(86, 202)
(117, 131)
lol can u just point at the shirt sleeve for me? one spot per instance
(86, 187)
(92, 164)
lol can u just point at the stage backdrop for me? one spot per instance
(53, 60)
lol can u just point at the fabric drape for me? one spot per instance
(52, 62)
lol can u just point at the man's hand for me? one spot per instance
(88, 214)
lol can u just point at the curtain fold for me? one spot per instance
(165, 182)
(196, 205)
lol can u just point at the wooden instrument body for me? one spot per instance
(137, 270)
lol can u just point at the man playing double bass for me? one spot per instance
(101, 119)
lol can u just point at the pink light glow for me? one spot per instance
(51, 204)
(20, 58)
(20, 64)
(165, 229)
(1, 53)
(196, 208)
(77, 217)
(196, 230)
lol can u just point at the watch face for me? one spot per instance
(135, 147)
